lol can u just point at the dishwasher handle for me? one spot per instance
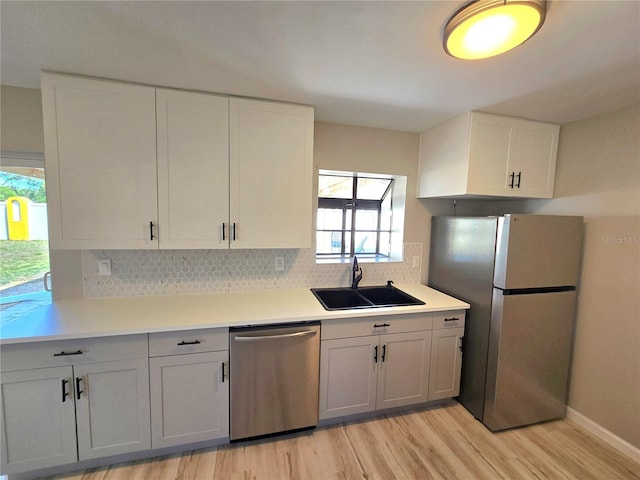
(304, 333)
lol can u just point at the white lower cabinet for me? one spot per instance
(79, 408)
(403, 369)
(189, 391)
(363, 373)
(446, 355)
(112, 408)
(446, 363)
(38, 419)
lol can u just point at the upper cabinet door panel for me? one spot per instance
(537, 153)
(100, 150)
(271, 162)
(193, 169)
(490, 153)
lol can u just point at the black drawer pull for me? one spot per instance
(376, 325)
(65, 394)
(195, 342)
(66, 354)
(452, 319)
(78, 391)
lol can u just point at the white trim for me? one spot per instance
(603, 434)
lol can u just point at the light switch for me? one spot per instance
(104, 266)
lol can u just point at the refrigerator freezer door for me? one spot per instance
(461, 263)
(529, 354)
(538, 251)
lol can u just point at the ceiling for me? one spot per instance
(377, 64)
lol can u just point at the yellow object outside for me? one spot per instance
(18, 218)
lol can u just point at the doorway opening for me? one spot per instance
(25, 277)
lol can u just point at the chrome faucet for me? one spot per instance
(356, 273)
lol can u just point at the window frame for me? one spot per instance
(352, 206)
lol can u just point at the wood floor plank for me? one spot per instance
(444, 442)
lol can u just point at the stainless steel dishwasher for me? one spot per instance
(274, 374)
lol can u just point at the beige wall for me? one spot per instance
(598, 176)
(371, 150)
(21, 120)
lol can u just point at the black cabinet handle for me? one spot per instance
(151, 237)
(375, 354)
(223, 235)
(66, 354)
(222, 372)
(195, 342)
(513, 177)
(78, 391)
(65, 394)
(519, 176)
(461, 345)
(452, 319)
(384, 351)
(377, 325)
(234, 232)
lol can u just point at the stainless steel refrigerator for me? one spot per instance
(519, 274)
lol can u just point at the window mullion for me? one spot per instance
(354, 212)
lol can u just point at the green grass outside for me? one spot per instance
(22, 260)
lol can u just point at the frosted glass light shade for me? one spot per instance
(486, 28)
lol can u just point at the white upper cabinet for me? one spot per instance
(100, 151)
(193, 169)
(134, 167)
(271, 162)
(479, 154)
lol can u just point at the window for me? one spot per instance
(356, 215)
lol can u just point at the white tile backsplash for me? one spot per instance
(171, 272)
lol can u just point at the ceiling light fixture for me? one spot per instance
(485, 28)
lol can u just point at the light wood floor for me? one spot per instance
(439, 443)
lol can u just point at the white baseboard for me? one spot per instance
(603, 434)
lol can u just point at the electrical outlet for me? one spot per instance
(104, 266)
(416, 261)
(279, 264)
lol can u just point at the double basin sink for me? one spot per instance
(363, 297)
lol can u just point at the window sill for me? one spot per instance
(361, 259)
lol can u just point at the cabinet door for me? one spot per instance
(193, 169)
(347, 376)
(38, 419)
(446, 362)
(403, 378)
(112, 408)
(271, 170)
(100, 146)
(537, 149)
(491, 146)
(189, 398)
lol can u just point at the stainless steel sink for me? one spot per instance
(347, 298)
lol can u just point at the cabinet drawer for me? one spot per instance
(188, 341)
(451, 319)
(58, 353)
(360, 327)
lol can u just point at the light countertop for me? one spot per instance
(96, 317)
